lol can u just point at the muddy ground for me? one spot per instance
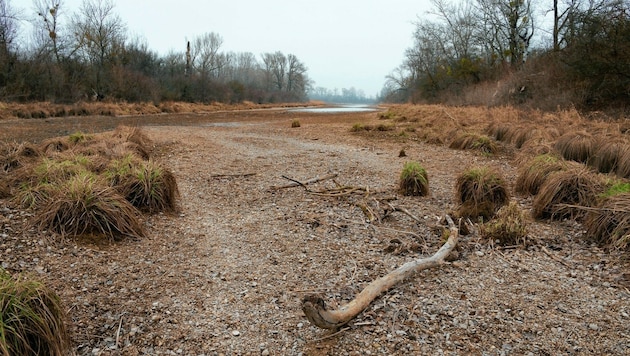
(226, 274)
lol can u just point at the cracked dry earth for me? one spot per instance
(226, 275)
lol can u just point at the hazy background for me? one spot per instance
(349, 43)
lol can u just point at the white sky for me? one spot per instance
(344, 43)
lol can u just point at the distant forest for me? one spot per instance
(543, 55)
(87, 54)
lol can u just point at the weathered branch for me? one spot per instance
(295, 183)
(315, 309)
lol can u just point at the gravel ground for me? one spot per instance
(226, 275)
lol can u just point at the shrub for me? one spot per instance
(414, 180)
(610, 223)
(32, 320)
(295, 123)
(509, 226)
(481, 192)
(565, 194)
(84, 205)
(532, 176)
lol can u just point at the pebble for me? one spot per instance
(593, 326)
(265, 352)
(479, 253)
(236, 333)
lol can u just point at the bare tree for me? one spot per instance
(296, 75)
(205, 54)
(508, 28)
(99, 33)
(48, 13)
(275, 69)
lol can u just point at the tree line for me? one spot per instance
(550, 53)
(88, 54)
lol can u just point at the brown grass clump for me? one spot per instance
(53, 146)
(565, 192)
(481, 192)
(623, 163)
(607, 154)
(16, 155)
(32, 319)
(414, 180)
(146, 185)
(509, 227)
(576, 146)
(609, 224)
(295, 123)
(534, 173)
(499, 130)
(84, 205)
(472, 141)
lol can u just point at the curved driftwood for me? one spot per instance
(315, 309)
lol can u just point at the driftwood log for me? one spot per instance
(315, 309)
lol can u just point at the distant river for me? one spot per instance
(338, 109)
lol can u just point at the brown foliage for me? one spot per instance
(509, 227)
(534, 173)
(565, 193)
(609, 224)
(472, 141)
(576, 146)
(607, 154)
(481, 192)
(84, 205)
(32, 318)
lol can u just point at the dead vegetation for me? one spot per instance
(32, 318)
(90, 184)
(481, 191)
(508, 228)
(414, 180)
(567, 194)
(609, 223)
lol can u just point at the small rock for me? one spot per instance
(624, 314)
(479, 253)
(300, 325)
(593, 326)
(236, 333)
(265, 352)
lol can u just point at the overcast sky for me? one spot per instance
(344, 43)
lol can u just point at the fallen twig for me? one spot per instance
(296, 183)
(555, 258)
(232, 175)
(332, 335)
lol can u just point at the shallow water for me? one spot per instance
(337, 109)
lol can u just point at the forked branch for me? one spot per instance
(315, 309)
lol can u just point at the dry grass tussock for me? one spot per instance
(567, 194)
(576, 146)
(94, 184)
(533, 174)
(609, 224)
(414, 180)
(473, 141)
(32, 319)
(481, 192)
(508, 228)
